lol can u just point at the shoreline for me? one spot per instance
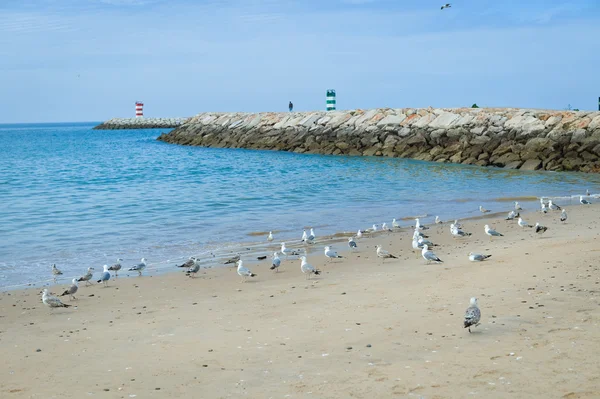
(379, 329)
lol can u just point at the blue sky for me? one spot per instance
(89, 60)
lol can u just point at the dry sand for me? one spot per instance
(364, 329)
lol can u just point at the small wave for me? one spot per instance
(519, 198)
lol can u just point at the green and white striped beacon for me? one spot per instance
(330, 100)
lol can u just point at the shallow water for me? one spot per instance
(78, 197)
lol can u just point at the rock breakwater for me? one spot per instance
(141, 123)
(503, 137)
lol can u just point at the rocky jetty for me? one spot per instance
(141, 123)
(503, 137)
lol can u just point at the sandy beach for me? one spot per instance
(363, 329)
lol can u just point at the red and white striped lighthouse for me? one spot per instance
(139, 109)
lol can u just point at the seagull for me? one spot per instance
(189, 263)
(311, 237)
(243, 271)
(553, 207)
(517, 206)
(416, 246)
(384, 226)
(587, 192)
(483, 210)
(473, 257)
(382, 253)
(72, 289)
(563, 215)
(105, 276)
(583, 201)
(544, 207)
(331, 254)
(304, 235)
(420, 234)
(492, 232)
(374, 228)
(429, 256)
(457, 232)
(359, 234)
(287, 251)
(421, 240)
(418, 225)
(51, 301)
(55, 272)
(116, 267)
(233, 259)
(458, 225)
(395, 224)
(87, 276)
(472, 314)
(540, 229)
(195, 268)
(447, 5)
(512, 215)
(276, 262)
(438, 220)
(270, 236)
(523, 223)
(139, 267)
(307, 268)
(352, 243)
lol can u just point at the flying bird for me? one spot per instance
(244, 272)
(87, 276)
(308, 269)
(473, 257)
(139, 267)
(105, 276)
(116, 267)
(276, 262)
(51, 301)
(71, 290)
(472, 314)
(447, 5)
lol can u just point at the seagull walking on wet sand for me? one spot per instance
(276, 262)
(307, 268)
(583, 201)
(563, 215)
(385, 227)
(311, 237)
(472, 314)
(195, 268)
(491, 232)
(244, 272)
(518, 206)
(71, 290)
(87, 276)
(473, 257)
(523, 223)
(51, 301)
(352, 243)
(286, 251)
(553, 206)
(359, 234)
(395, 223)
(383, 254)
(429, 256)
(483, 210)
(270, 236)
(331, 254)
(139, 267)
(512, 215)
(538, 228)
(55, 272)
(116, 267)
(105, 276)
(304, 235)
(189, 263)
(233, 260)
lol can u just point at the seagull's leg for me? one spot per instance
(469, 329)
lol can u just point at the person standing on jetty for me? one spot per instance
(291, 106)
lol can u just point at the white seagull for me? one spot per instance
(359, 234)
(512, 215)
(472, 315)
(563, 215)
(139, 267)
(311, 237)
(395, 223)
(195, 268)
(491, 232)
(517, 206)
(116, 267)
(51, 301)
(276, 262)
(447, 5)
(189, 263)
(522, 223)
(286, 251)
(244, 272)
(419, 226)
(382, 253)
(105, 276)
(473, 257)
(330, 253)
(457, 232)
(352, 243)
(71, 290)
(429, 256)
(553, 206)
(270, 236)
(87, 276)
(308, 269)
(55, 272)
(483, 210)
(304, 235)
(583, 201)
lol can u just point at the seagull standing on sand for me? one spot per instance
(553, 207)
(51, 301)
(311, 236)
(276, 262)
(105, 276)
(438, 220)
(304, 235)
(195, 268)
(189, 263)
(331, 254)
(382, 253)
(87, 276)
(419, 226)
(473, 257)
(491, 232)
(447, 5)
(55, 272)
(270, 236)
(517, 206)
(458, 225)
(233, 259)
(457, 232)
(352, 243)
(72, 289)
(116, 267)
(544, 207)
(359, 234)
(483, 210)
(540, 229)
(139, 267)
(512, 215)
(563, 215)
(374, 228)
(429, 256)
(286, 251)
(395, 223)
(523, 223)
(472, 314)
(583, 201)
(384, 227)
(244, 272)
(308, 269)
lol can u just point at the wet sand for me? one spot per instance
(363, 329)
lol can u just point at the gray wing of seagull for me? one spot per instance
(472, 316)
(431, 256)
(495, 233)
(478, 257)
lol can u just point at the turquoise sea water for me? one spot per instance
(77, 197)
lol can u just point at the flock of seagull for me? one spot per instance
(420, 243)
